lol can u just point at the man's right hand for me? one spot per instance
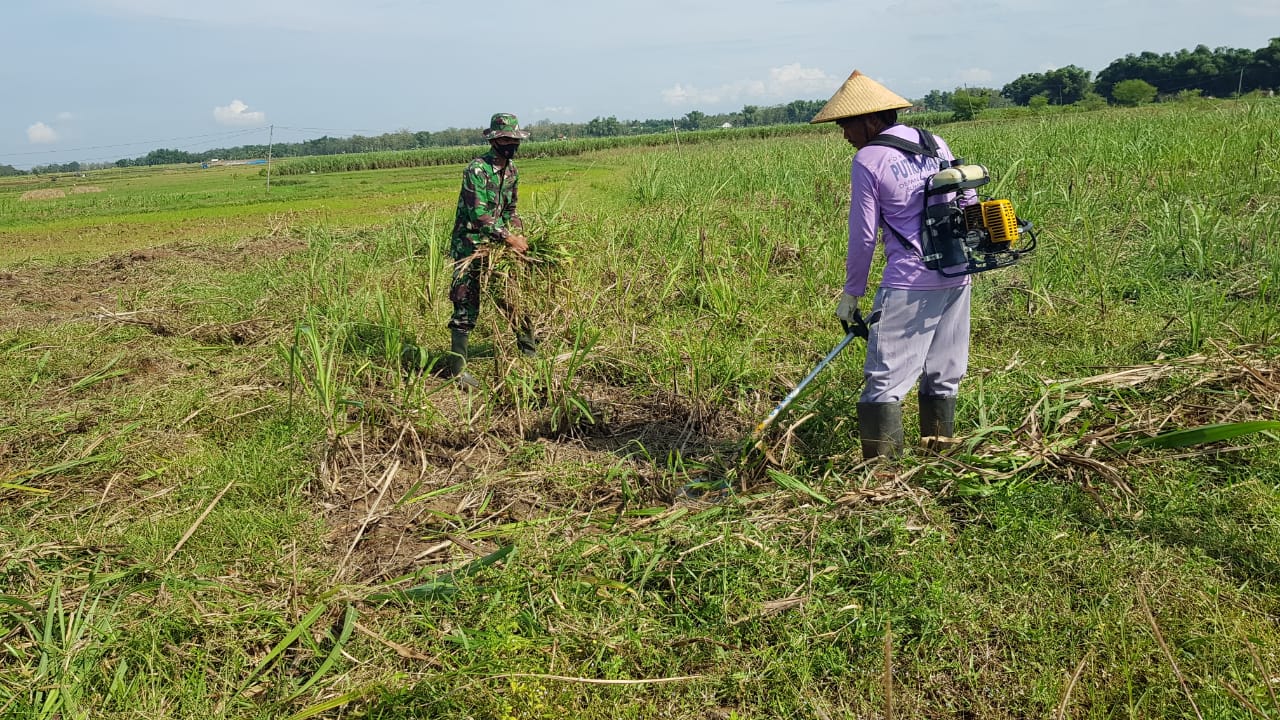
(518, 243)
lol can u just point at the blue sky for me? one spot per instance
(98, 80)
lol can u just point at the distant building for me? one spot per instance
(215, 162)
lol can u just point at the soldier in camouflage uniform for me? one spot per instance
(486, 216)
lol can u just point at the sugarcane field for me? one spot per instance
(243, 474)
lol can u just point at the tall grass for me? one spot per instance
(528, 150)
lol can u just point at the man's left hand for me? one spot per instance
(847, 310)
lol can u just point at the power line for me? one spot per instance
(328, 130)
(203, 139)
(230, 134)
(199, 142)
(113, 158)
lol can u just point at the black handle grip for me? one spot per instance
(858, 327)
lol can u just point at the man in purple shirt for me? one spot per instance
(922, 333)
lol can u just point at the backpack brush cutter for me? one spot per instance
(961, 239)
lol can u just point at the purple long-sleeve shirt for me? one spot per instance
(886, 181)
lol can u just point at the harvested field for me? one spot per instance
(44, 194)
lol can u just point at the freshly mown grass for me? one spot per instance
(229, 491)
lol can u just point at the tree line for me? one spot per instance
(1131, 80)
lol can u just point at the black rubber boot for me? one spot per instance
(937, 416)
(880, 425)
(413, 359)
(527, 342)
(456, 361)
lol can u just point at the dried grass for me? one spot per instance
(44, 194)
(466, 462)
(1206, 389)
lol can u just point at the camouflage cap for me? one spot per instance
(504, 125)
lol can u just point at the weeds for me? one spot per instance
(312, 362)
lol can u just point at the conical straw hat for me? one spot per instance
(858, 96)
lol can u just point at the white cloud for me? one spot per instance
(237, 113)
(793, 80)
(1258, 8)
(64, 117)
(788, 82)
(41, 134)
(552, 110)
(679, 95)
(974, 76)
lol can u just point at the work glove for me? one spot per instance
(847, 310)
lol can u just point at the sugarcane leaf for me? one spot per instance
(307, 621)
(348, 624)
(790, 482)
(1205, 434)
(445, 585)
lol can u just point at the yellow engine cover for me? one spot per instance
(996, 216)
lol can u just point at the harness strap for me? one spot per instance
(893, 231)
(928, 147)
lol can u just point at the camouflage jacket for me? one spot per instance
(487, 202)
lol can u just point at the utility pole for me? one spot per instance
(271, 132)
(1240, 85)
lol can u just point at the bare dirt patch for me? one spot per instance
(34, 294)
(403, 499)
(79, 189)
(45, 194)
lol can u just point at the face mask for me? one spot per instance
(506, 151)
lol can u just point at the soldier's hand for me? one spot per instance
(518, 243)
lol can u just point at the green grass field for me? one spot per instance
(223, 495)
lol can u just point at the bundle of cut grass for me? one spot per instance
(530, 282)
